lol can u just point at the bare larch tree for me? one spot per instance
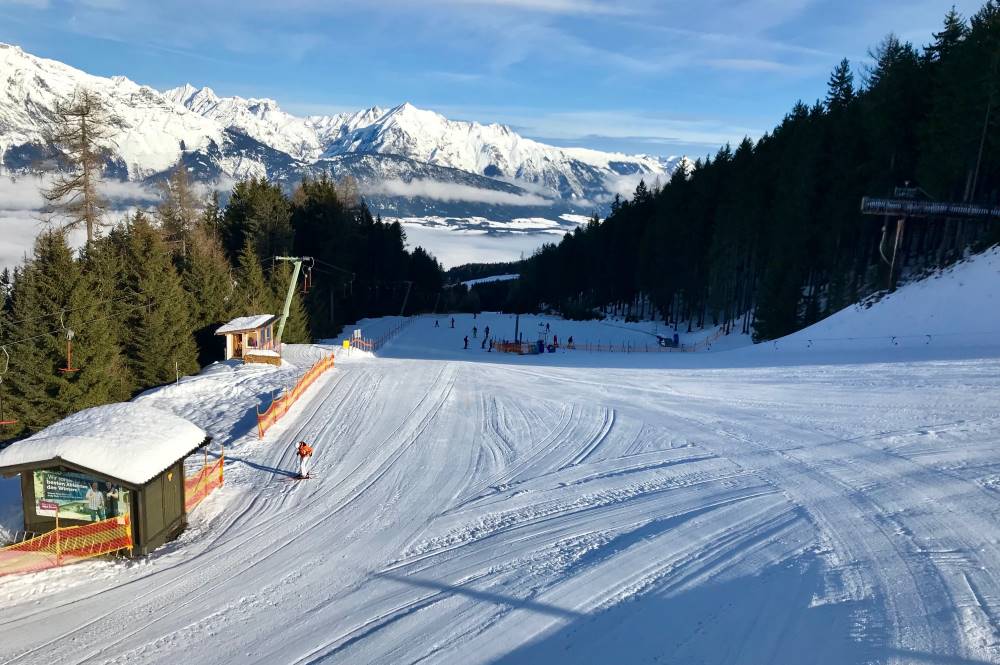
(81, 124)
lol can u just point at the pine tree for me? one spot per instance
(211, 216)
(257, 210)
(252, 295)
(160, 326)
(840, 87)
(53, 299)
(179, 210)
(207, 278)
(952, 33)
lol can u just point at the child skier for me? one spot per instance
(466, 341)
(304, 452)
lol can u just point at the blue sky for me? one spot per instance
(658, 76)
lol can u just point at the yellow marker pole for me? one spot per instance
(58, 552)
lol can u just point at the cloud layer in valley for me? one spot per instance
(445, 191)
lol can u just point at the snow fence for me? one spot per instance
(67, 544)
(373, 345)
(204, 482)
(71, 544)
(280, 405)
(531, 348)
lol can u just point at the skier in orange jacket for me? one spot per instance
(304, 451)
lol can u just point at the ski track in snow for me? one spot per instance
(510, 513)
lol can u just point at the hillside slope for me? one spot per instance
(953, 308)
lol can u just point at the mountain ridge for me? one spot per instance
(233, 137)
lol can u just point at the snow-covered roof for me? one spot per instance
(129, 441)
(244, 323)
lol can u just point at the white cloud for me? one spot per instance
(756, 65)
(625, 184)
(22, 219)
(453, 248)
(33, 4)
(446, 191)
(581, 7)
(21, 195)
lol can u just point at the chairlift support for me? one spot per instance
(68, 369)
(914, 202)
(296, 262)
(307, 278)
(4, 421)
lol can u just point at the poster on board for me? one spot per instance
(78, 496)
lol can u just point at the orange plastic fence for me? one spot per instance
(531, 348)
(204, 482)
(280, 405)
(68, 544)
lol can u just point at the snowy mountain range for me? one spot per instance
(409, 161)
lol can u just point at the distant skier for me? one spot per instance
(569, 343)
(304, 452)
(437, 324)
(487, 332)
(453, 322)
(474, 331)
(483, 345)
(546, 327)
(466, 341)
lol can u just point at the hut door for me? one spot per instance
(237, 346)
(173, 503)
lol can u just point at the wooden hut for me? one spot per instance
(114, 461)
(251, 339)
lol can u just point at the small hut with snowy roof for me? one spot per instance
(114, 461)
(251, 339)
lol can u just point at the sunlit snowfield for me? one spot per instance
(750, 506)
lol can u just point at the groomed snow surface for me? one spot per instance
(756, 505)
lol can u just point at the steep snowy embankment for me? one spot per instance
(953, 309)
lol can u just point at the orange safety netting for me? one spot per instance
(282, 404)
(203, 483)
(68, 544)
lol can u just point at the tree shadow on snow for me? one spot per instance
(774, 617)
(778, 616)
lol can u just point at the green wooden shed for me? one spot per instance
(116, 460)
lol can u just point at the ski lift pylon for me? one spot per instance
(307, 279)
(68, 369)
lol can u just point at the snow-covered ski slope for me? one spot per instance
(570, 509)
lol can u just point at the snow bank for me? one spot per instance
(130, 441)
(957, 307)
(494, 278)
